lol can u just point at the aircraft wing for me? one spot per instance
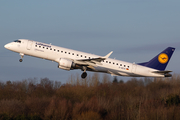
(92, 62)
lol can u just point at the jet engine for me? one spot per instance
(66, 64)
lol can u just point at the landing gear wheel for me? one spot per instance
(22, 55)
(20, 60)
(84, 74)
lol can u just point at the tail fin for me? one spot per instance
(161, 60)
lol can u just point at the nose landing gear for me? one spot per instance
(22, 55)
(20, 60)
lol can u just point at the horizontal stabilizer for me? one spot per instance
(165, 73)
(162, 71)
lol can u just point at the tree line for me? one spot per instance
(93, 98)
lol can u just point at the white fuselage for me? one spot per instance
(54, 53)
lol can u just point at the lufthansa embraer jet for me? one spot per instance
(69, 59)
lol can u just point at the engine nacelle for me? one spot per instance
(65, 64)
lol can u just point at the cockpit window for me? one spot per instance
(18, 41)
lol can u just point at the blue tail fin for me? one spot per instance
(161, 60)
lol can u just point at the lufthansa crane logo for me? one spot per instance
(163, 58)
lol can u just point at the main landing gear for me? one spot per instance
(22, 55)
(84, 74)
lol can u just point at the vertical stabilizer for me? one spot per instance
(161, 60)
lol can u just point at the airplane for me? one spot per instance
(69, 59)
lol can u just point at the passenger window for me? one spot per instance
(77, 55)
(69, 53)
(89, 58)
(51, 49)
(58, 50)
(120, 64)
(35, 45)
(43, 47)
(124, 65)
(39, 46)
(128, 66)
(81, 55)
(113, 63)
(54, 49)
(72, 53)
(117, 64)
(106, 61)
(109, 62)
(47, 48)
(65, 52)
(61, 51)
(85, 56)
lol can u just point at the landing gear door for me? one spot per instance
(29, 44)
(133, 68)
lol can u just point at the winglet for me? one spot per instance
(108, 55)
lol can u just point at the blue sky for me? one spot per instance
(136, 30)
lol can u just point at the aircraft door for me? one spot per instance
(29, 44)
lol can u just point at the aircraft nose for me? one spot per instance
(7, 46)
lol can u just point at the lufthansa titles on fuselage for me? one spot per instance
(43, 44)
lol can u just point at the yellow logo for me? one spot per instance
(163, 58)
